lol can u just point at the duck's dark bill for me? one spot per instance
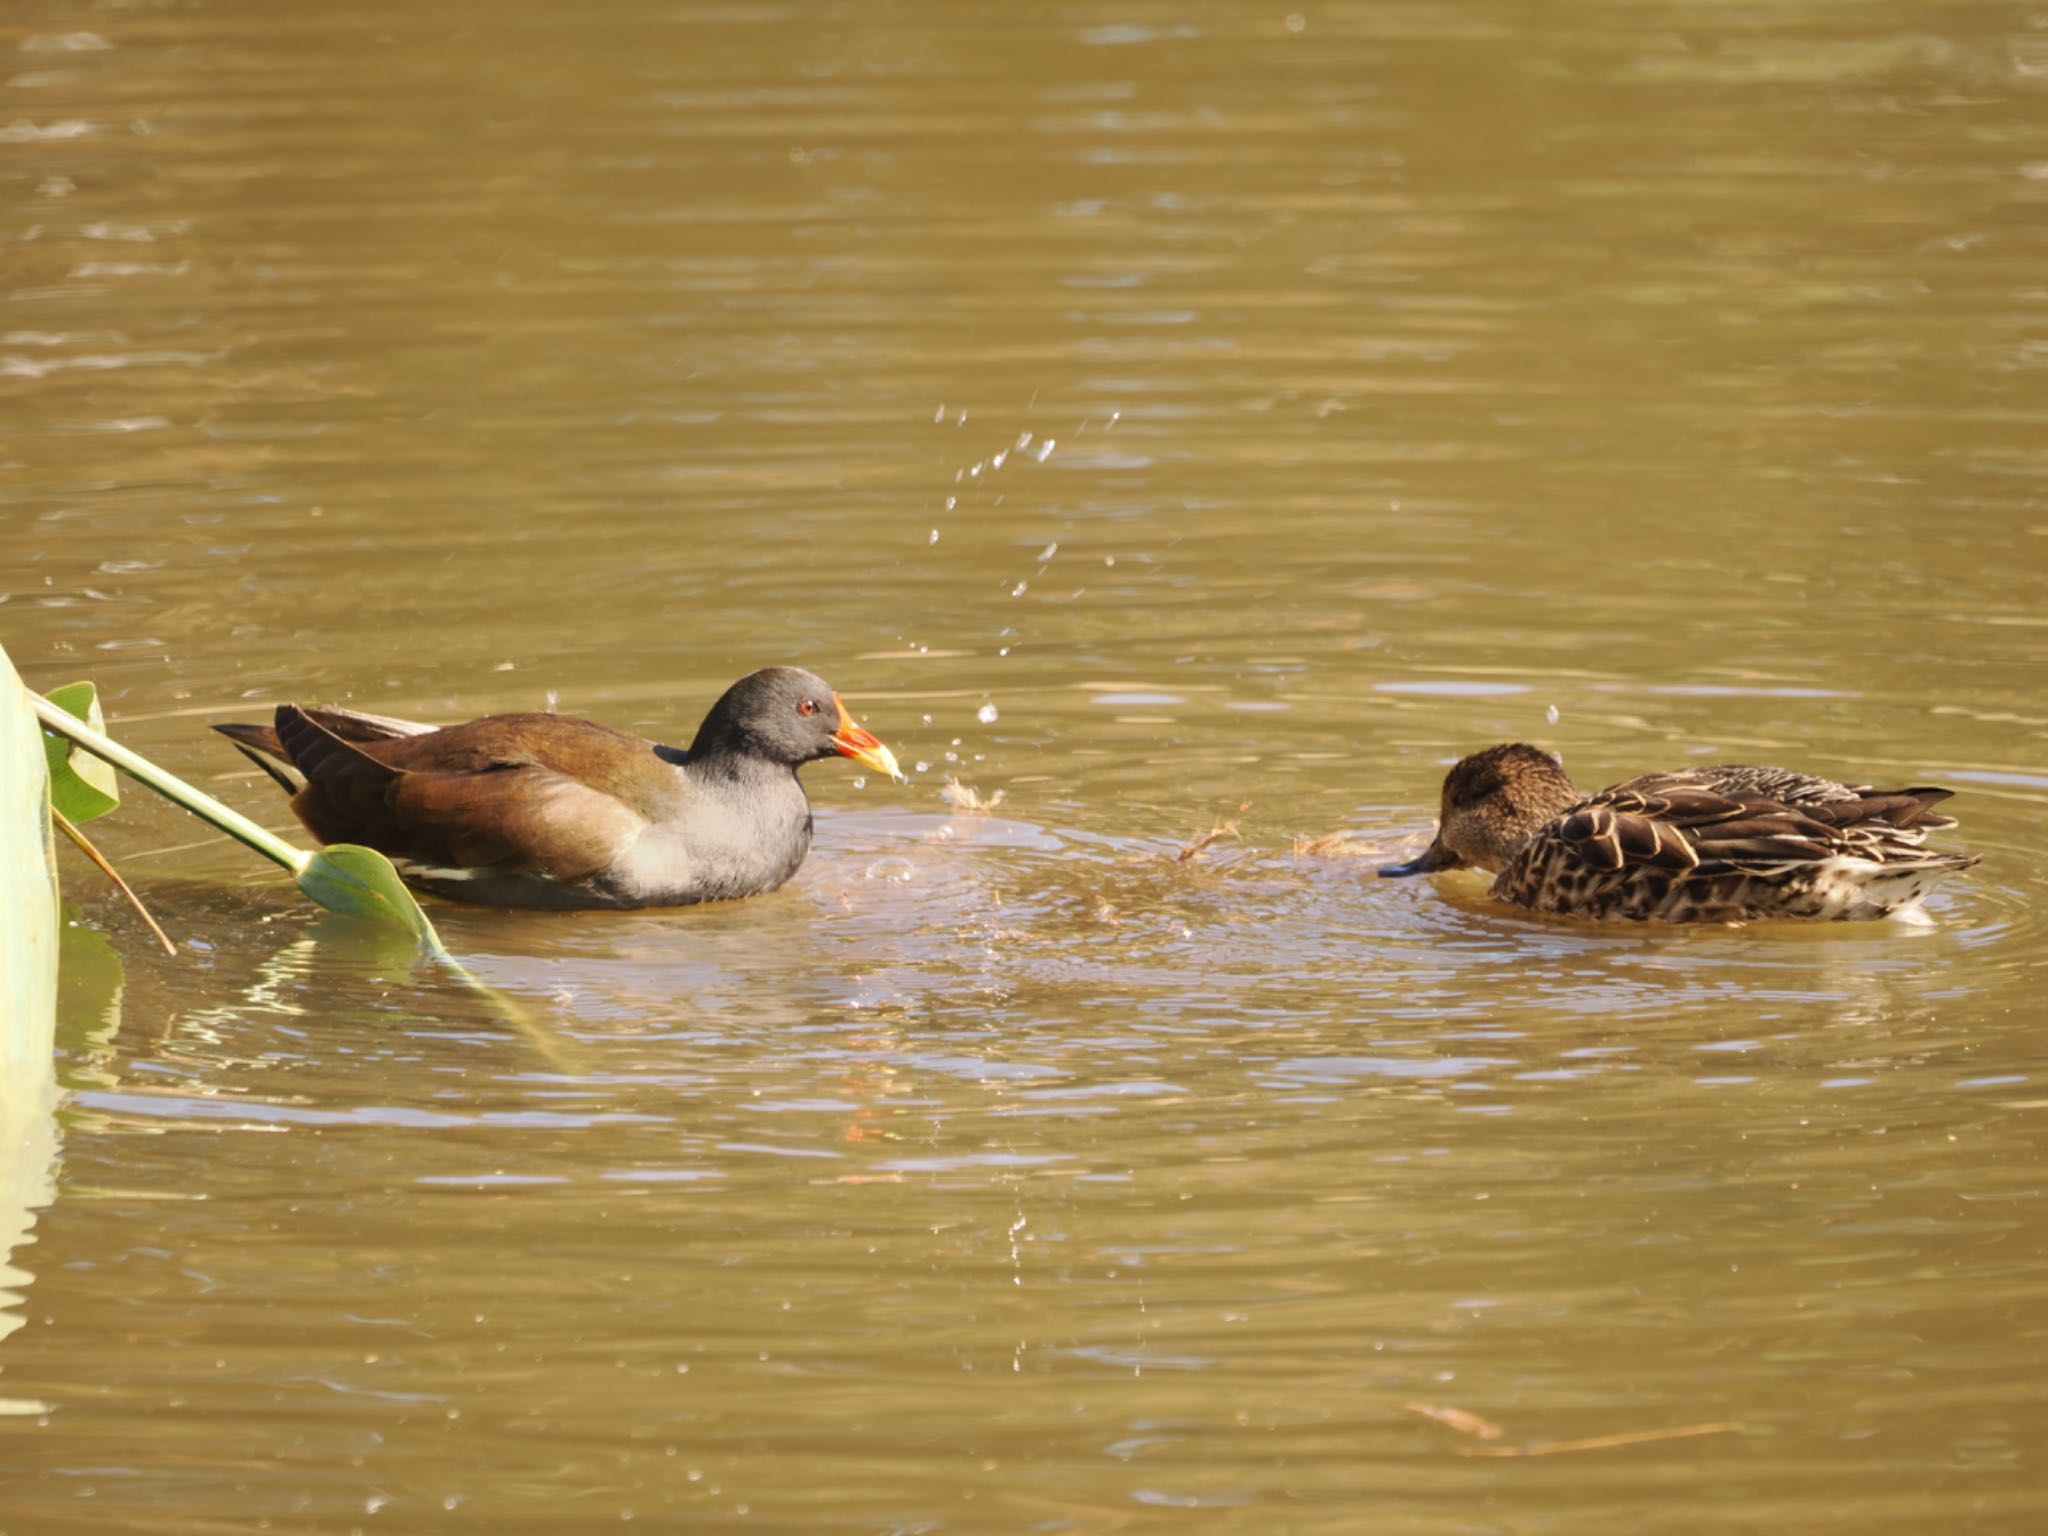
(862, 745)
(1435, 856)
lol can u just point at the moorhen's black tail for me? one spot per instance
(259, 744)
(254, 738)
(346, 797)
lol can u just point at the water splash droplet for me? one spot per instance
(988, 713)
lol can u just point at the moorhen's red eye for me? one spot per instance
(808, 707)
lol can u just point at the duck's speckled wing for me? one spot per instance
(1730, 844)
(1783, 786)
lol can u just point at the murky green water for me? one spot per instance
(1257, 410)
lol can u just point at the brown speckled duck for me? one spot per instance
(1702, 845)
(533, 810)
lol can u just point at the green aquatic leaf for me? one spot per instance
(360, 882)
(81, 786)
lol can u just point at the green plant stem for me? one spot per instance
(170, 786)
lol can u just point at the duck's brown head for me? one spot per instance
(1494, 801)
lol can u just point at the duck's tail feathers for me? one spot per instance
(1929, 796)
(1909, 811)
(1896, 887)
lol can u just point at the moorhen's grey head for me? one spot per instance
(1494, 801)
(789, 716)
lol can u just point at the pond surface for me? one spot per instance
(1257, 410)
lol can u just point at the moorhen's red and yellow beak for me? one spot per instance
(862, 745)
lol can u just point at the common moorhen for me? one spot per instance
(1723, 845)
(535, 810)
